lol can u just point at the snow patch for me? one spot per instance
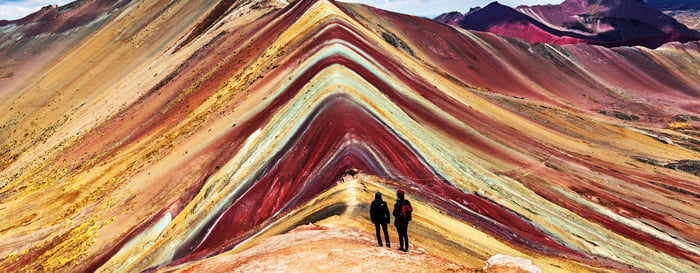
(508, 261)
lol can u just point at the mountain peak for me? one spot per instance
(495, 5)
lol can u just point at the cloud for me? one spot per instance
(16, 9)
(9, 12)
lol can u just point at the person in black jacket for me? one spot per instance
(402, 213)
(379, 212)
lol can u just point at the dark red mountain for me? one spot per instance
(603, 22)
(506, 21)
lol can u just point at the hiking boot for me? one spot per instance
(380, 245)
(388, 245)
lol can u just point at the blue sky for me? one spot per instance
(15, 9)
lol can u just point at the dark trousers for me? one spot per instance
(386, 233)
(402, 229)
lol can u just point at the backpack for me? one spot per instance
(405, 211)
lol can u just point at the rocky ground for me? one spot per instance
(331, 246)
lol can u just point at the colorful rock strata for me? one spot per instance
(159, 135)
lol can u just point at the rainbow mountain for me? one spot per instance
(184, 136)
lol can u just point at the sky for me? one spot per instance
(15, 9)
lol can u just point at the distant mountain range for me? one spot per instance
(674, 4)
(686, 12)
(603, 22)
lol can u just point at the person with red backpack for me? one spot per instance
(402, 215)
(379, 213)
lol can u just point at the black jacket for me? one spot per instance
(397, 211)
(379, 212)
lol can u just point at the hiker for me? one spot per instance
(379, 212)
(402, 213)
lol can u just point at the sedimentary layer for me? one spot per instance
(175, 132)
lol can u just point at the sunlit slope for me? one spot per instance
(213, 125)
